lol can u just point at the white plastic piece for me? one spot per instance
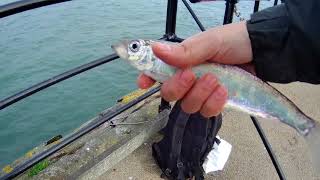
(217, 157)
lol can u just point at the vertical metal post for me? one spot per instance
(170, 34)
(228, 14)
(171, 17)
(275, 2)
(256, 5)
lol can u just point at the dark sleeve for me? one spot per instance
(286, 42)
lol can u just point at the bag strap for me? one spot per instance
(216, 123)
(177, 137)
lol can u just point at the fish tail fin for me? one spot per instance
(313, 141)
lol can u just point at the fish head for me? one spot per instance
(137, 52)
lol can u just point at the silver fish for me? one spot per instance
(246, 92)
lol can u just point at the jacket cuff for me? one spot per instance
(268, 32)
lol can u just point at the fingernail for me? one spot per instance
(220, 93)
(187, 76)
(163, 47)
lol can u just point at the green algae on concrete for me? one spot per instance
(38, 168)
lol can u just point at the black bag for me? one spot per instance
(187, 141)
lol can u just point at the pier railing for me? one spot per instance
(170, 35)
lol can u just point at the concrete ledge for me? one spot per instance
(97, 152)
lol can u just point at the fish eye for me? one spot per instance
(134, 46)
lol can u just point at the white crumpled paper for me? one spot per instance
(217, 157)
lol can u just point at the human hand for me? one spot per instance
(229, 44)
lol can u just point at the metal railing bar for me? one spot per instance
(177, 39)
(24, 5)
(193, 15)
(269, 149)
(228, 14)
(256, 5)
(171, 17)
(39, 157)
(54, 80)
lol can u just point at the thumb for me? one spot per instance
(180, 55)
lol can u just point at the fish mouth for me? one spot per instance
(121, 49)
